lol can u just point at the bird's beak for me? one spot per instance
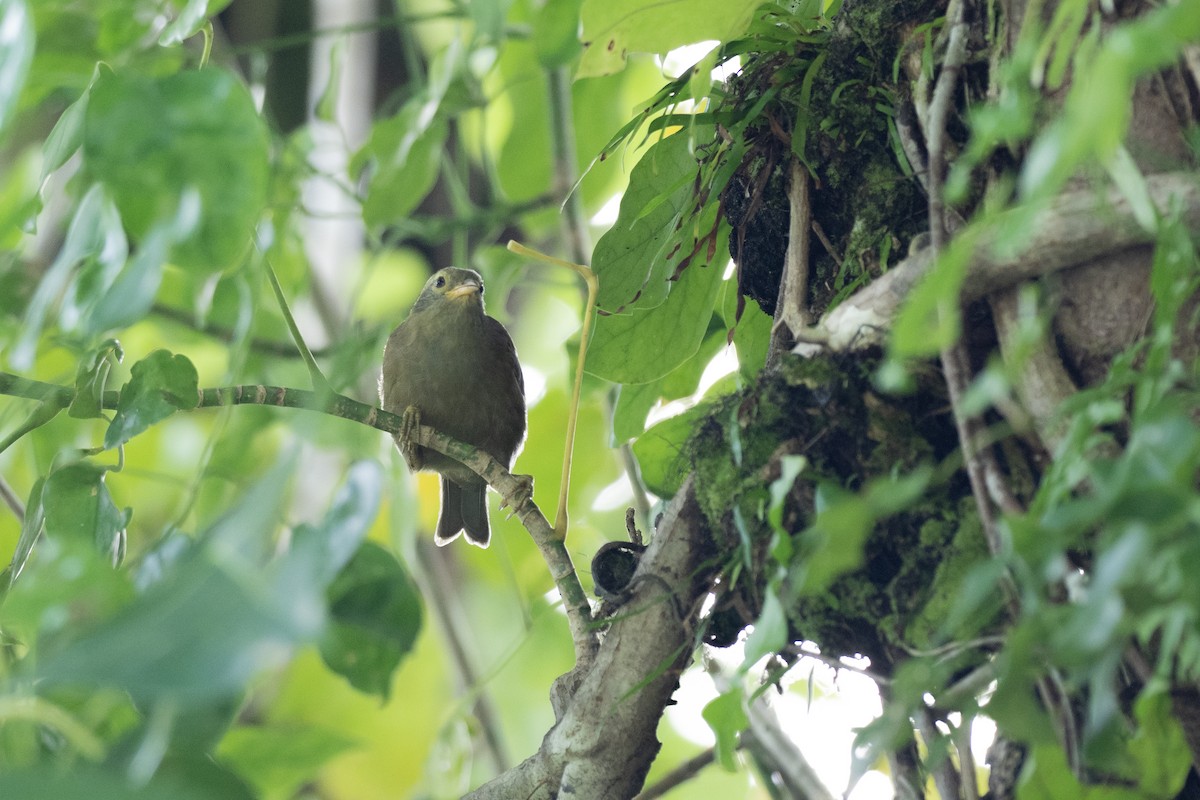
(463, 289)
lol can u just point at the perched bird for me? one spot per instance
(452, 367)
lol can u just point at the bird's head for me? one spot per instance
(451, 285)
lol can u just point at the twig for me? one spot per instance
(227, 335)
(11, 500)
(575, 601)
(680, 775)
(641, 500)
(791, 307)
(982, 470)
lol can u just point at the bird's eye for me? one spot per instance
(440, 282)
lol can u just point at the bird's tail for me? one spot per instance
(464, 508)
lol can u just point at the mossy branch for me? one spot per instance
(553, 550)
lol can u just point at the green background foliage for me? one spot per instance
(243, 601)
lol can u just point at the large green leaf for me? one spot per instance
(197, 635)
(159, 385)
(78, 504)
(642, 345)
(376, 616)
(633, 259)
(152, 140)
(614, 28)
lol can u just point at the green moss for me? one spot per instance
(827, 409)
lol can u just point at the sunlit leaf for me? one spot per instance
(631, 260)
(770, 631)
(645, 344)
(726, 715)
(556, 32)
(612, 29)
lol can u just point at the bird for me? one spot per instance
(450, 366)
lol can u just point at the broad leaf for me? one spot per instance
(614, 28)
(151, 140)
(159, 385)
(78, 505)
(376, 616)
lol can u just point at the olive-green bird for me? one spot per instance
(454, 368)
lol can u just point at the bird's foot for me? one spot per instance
(522, 495)
(410, 425)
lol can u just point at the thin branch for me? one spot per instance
(955, 361)
(578, 608)
(225, 334)
(11, 500)
(791, 307)
(680, 775)
(775, 748)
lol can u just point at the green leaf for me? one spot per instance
(752, 336)
(65, 138)
(769, 634)
(159, 385)
(198, 635)
(790, 467)
(634, 402)
(726, 715)
(94, 235)
(376, 616)
(1159, 746)
(210, 618)
(31, 529)
(344, 527)
(556, 32)
(645, 344)
(151, 140)
(129, 296)
(190, 20)
(278, 759)
(630, 260)
(833, 544)
(1096, 114)
(78, 505)
(660, 451)
(614, 28)
(407, 156)
(930, 319)
(16, 54)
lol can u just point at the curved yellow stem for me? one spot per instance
(589, 315)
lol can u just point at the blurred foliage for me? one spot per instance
(241, 602)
